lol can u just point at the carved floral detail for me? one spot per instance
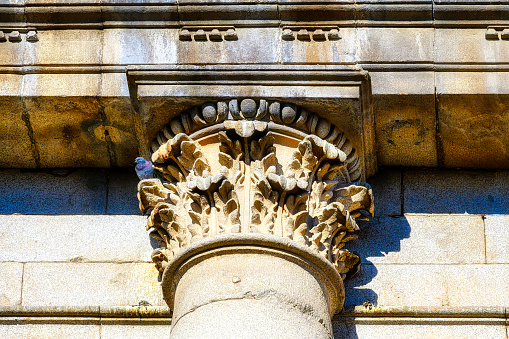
(311, 200)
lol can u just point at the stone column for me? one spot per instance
(253, 204)
(251, 286)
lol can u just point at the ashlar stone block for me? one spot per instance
(429, 330)
(422, 239)
(50, 331)
(139, 46)
(77, 238)
(56, 192)
(66, 46)
(11, 274)
(395, 44)
(448, 191)
(406, 130)
(85, 284)
(430, 285)
(472, 130)
(253, 45)
(386, 186)
(497, 239)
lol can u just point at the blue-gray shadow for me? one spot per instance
(377, 237)
(69, 192)
(456, 191)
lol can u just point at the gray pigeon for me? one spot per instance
(144, 168)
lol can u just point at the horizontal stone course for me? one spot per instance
(422, 239)
(53, 192)
(449, 191)
(11, 277)
(497, 239)
(80, 238)
(351, 330)
(90, 284)
(430, 285)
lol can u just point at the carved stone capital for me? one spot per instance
(255, 166)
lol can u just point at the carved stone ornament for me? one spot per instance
(255, 166)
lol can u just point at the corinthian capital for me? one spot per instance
(255, 167)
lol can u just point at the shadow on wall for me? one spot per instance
(455, 191)
(69, 192)
(377, 237)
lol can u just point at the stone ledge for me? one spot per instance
(143, 313)
(139, 13)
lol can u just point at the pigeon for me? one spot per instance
(144, 168)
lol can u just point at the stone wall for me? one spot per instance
(75, 257)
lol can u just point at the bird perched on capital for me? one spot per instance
(144, 168)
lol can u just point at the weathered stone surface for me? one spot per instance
(57, 192)
(135, 331)
(61, 85)
(69, 46)
(468, 83)
(472, 130)
(325, 50)
(456, 45)
(253, 45)
(497, 239)
(405, 128)
(448, 191)
(50, 331)
(105, 284)
(16, 147)
(122, 188)
(387, 187)
(118, 131)
(395, 44)
(74, 238)
(10, 283)
(69, 132)
(401, 83)
(422, 239)
(430, 285)
(425, 329)
(140, 46)
(12, 52)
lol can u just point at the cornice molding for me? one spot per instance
(108, 14)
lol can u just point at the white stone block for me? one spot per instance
(70, 284)
(430, 285)
(11, 277)
(135, 331)
(422, 239)
(50, 331)
(421, 331)
(497, 239)
(75, 238)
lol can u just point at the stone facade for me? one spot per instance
(408, 96)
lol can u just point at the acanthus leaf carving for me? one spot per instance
(312, 200)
